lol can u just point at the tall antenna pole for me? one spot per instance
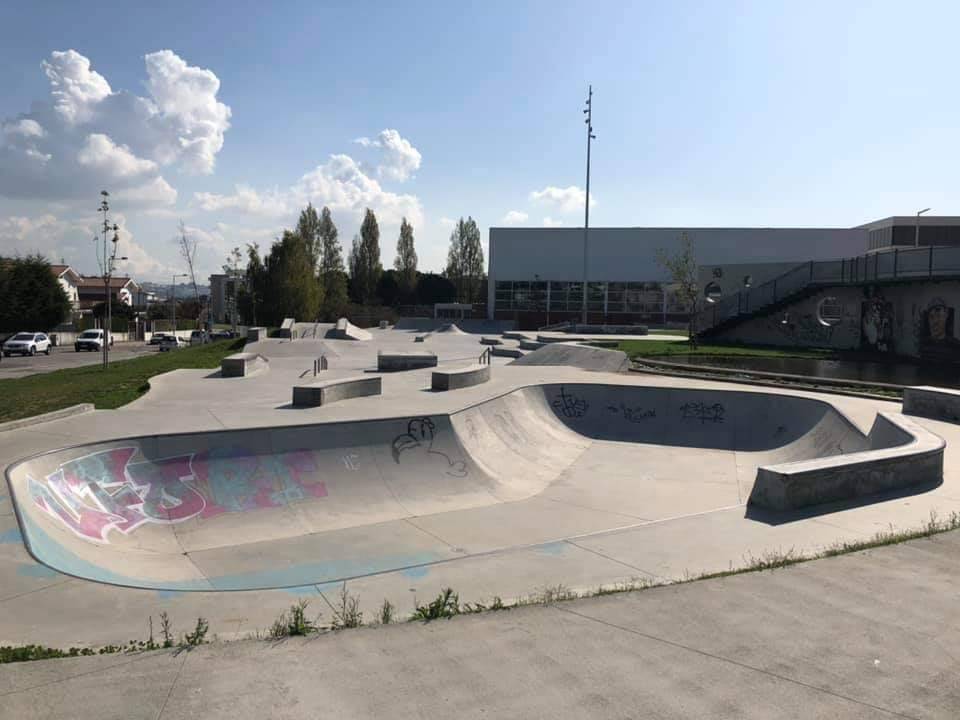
(107, 259)
(586, 219)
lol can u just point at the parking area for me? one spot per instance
(17, 366)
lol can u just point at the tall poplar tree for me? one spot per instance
(332, 274)
(406, 262)
(465, 267)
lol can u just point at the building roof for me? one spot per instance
(60, 270)
(116, 283)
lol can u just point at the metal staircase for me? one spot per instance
(884, 266)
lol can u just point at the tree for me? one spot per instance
(365, 267)
(353, 263)
(188, 251)
(31, 297)
(256, 285)
(308, 228)
(406, 262)
(682, 267)
(292, 289)
(231, 268)
(332, 274)
(388, 288)
(465, 260)
(433, 288)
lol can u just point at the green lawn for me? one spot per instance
(666, 348)
(681, 333)
(122, 382)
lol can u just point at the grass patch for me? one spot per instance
(122, 382)
(667, 348)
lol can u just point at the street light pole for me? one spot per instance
(916, 235)
(173, 300)
(107, 258)
(586, 218)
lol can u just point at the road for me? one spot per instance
(17, 366)
(867, 635)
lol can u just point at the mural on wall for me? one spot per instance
(876, 324)
(936, 332)
(104, 492)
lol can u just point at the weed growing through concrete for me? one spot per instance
(295, 622)
(387, 612)
(166, 629)
(445, 605)
(198, 636)
(346, 613)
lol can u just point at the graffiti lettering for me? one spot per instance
(632, 414)
(420, 434)
(98, 493)
(702, 412)
(569, 405)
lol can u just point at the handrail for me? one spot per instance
(892, 263)
(485, 356)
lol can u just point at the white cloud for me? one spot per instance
(156, 195)
(447, 223)
(246, 200)
(565, 200)
(89, 137)
(550, 222)
(514, 217)
(116, 161)
(400, 159)
(340, 183)
(25, 127)
(76, 89)
(186, 97)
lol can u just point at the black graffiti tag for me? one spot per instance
(702, 412)
(569, 405)
(420, 434)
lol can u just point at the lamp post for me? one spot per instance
(588, 111)
(106, 258)
(173, 300)
(916, 234)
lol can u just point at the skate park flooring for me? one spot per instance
(509, 550)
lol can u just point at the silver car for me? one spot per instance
(27, 344)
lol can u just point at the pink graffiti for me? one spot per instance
(98, 493)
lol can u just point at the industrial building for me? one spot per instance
(536, 274)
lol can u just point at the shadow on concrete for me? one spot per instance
(782, 517)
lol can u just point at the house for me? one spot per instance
(70, 281)
(123, 290)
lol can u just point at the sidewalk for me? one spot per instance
(869, 635)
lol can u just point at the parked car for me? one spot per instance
(27, 344)
(158, 337)
(172, 342)
(222, 335)
(198, 337)
(90, 340)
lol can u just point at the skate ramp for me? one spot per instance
(292, 506)
(573, 355)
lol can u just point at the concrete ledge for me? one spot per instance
(902, 454)
(243, 364)
(490, 341)
(460, 377)
(47, 417)
(515, 335)
(406, 360)
(286, 330)
(510, 352)
(530, 344)
(932, 402)
(324, 393)
(256, 334)
(345, 330)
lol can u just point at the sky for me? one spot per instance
(232, 116)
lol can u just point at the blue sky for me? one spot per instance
(707, 114)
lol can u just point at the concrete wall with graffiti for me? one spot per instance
(911, 319)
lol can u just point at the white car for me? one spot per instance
(172, 342)
(27, 344)
(90, 340)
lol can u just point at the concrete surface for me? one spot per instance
(456, 378)
(256, 334)
(407, 360)
(569, 353)
(329, 391)
(932, 402)
(864, 636)
(649, 510)
(62, 357)
(345, 330)
(243, 364)
(66, 412)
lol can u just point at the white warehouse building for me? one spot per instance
(536, 274)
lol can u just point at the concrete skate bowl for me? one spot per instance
(305, 505)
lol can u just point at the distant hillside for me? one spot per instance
(183, 289)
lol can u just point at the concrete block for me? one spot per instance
(530, 344)
(256, 334)
(501, 351)
(932, 402)
(914, 458)
(456, 378)
(324, 393)
(406, 360)
(243, 364)
(345, 330)
(490, 341)
(286, 329)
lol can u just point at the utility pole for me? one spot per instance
(106, 258)
(588, 111)
(173, 299)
